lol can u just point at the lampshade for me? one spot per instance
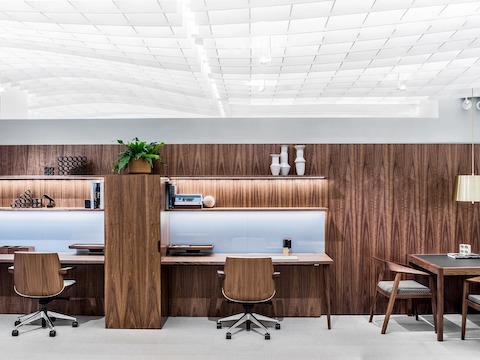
(467, 188)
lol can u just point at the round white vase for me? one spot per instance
(275, 166)
(300, 160)
(284, 166)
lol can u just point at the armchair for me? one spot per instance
(469, 300)
(40, 276)
(402, 289)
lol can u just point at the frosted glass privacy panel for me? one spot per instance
(250, 231)
(51, 230)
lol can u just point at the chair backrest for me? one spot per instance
(394, 267)
(37, 274)
(249, 279)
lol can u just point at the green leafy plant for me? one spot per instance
(137, 149)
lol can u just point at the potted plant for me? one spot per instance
(139, 156)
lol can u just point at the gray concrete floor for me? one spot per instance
(351, 337)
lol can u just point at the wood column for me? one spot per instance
(132, 257)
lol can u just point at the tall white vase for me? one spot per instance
(284, 166)
(275, 166)
(300, 160)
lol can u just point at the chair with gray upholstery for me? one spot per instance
(469, 300)
(402, 288)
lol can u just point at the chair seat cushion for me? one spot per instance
(405, 287)
(474, 298)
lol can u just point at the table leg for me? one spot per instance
(326, 284)
(440, 304)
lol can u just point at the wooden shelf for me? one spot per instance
(49, 209)
(247, 177)
(254, 209)
(51, 177)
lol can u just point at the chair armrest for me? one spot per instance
(64, 270)
(276, 274)
(221, 274)
(474, 279)
(405, 269)
(11, 269)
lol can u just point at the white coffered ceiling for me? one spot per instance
(237, 58)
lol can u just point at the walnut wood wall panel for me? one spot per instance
(71, 193)
(132, 259)
(385, 200)
(196, 291)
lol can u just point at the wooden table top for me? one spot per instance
(219, 259)
(449, 266)
(65, 258)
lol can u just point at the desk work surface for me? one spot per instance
(65, 258)
(219, 259)
(434, 262)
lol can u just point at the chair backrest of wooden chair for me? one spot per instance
(248, 279)
(386, 265)
(37, 274)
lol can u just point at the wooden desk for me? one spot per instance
(65, 258)
(86, 297)
(297, 275)
(441, 266)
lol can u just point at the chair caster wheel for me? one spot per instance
(15, 332)
(267, 336)
(277, 326)
(75, 324)
(17, 322)
(219, 325)
(52, 333)
(228, 336)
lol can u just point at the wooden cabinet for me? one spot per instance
(132, 257)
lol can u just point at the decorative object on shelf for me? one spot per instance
(23, 201)
(171, 189)
(138, 157)
(48, 170)
(300, 160)
(209, 201)
(72, 165)
(467, 187)
(275, 166)
(188, 201)
(51, 201)
(37, 202)
(284, 166)
(96, 194)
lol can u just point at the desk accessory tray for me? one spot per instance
(93, 248)
(185, 249)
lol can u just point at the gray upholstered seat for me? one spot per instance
(474, 298)
(405, 287)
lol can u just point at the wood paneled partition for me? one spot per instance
(383, 199)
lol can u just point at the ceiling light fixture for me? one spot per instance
(467, 187)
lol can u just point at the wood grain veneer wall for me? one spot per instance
(384, 200)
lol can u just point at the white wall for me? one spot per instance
(452, 126)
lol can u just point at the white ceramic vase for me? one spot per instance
(275, 166)
(300, 160)
(284, 167)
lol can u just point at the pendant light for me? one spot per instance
(467, 187)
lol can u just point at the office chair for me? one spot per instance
(469, 300)
(402, 289)
(248, 281)
(40, 276)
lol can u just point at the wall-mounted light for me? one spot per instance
(467, 104)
